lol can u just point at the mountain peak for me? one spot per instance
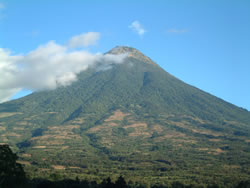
(132, 52)
(123, 49)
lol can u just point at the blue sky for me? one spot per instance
(204, 43)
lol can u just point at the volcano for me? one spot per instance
(133, 119)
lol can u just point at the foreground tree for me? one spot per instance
(11, 173)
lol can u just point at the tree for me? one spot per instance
(106, 183)
(121, 183)
(11, 173)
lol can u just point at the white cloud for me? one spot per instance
(177, 31)
(47, 67)
(84, 40)
(137, 27)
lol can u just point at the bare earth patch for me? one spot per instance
(157, 128)
(13, 134)
(137, 125)
(184, 140)
(2, 128)
(39, 147)
(58, 167)
(18, 128)
(232, 166)
(118, 115)
(51, 112)
(23, 123)
(218, 150)
(170, 134)
(26, 155)
(65, 147)
(206, 132)
(8, 114)
(24, 163)
(107, 125)
(78, 121)
(55, 142)
(215, 140)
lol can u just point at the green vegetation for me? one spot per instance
(11, 173)
(134, 120)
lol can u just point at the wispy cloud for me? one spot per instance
(2, 6)
(35, 33)
(137, 27)
(47, 67)
(84, 40)
(178, 31)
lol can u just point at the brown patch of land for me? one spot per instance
(107, 125)
(215, 140)
(218, 150)
(157, 128)
(232, 166)
(55, 142)
(26, 155)
(58, 167)
(65, 147)
(185, 140)
(39, 147)
(78, 121)
(51, 112)
(137, 125)
(18, 128)
(24, 163)
(12, 134)
(203, 149)
(23, 123)
(2, 128)
(8, 114)
(170, 134)
(206, 132)
(118, 115)
(194, 118)
(139, 129)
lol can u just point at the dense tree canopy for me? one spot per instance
(10, 171)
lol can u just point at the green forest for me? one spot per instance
(13, 175)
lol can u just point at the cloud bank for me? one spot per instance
(49, 66)
(137, 27)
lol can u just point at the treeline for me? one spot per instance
(106, 183)
(12, 175)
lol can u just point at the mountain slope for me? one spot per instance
(135, 119)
